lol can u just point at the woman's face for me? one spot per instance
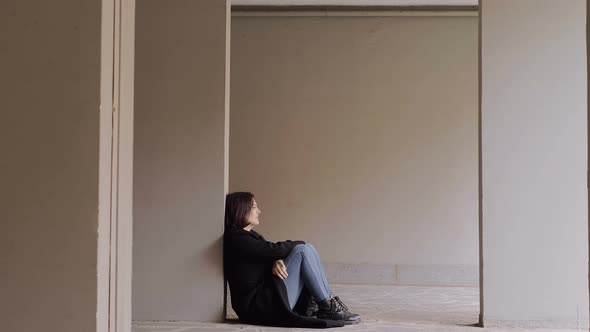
(252, 216)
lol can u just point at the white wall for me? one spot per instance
(50, 85)
(534, 117)
(179, 177)
(360, 136)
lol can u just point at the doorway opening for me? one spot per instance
(357, 130)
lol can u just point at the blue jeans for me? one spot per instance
(304, 268)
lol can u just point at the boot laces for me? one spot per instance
(339, 304)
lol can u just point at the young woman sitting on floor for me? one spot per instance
(277, 284)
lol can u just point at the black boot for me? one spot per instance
(308, 308)
(312, 309)
(305, 305)
(334, 309)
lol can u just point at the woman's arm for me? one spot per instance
(245, 245)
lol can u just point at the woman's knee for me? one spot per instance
(300, 248)
(305, 249)
(311, 249)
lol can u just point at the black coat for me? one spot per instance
(258, 296)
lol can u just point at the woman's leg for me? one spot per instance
(318, 262)
(303, 265)
(293, 283)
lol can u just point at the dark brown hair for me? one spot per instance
(237, 206)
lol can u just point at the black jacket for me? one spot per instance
(258, 296)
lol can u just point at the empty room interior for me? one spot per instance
(435, 152)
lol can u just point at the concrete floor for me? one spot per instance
(382, 308)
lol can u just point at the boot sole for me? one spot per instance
(352, 322)
(346, 322)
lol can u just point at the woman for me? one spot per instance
(274, 283)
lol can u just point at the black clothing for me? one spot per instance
(258, 296)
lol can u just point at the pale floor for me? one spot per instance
(382, 308)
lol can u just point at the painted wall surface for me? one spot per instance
(179, 160)
(534, 115)
(360, 135)
(50, 85)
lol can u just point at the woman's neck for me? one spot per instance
(249, 227)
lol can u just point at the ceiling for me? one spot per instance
(357, 2)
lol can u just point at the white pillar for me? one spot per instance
(181, 89)
(534, 163)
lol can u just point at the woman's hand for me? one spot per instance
(279, 269)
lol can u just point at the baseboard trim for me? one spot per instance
(565, 324)
(403, 274)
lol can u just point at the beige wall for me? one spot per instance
(179, 159)
(50, 85)
(360, 135)
(534, 136)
